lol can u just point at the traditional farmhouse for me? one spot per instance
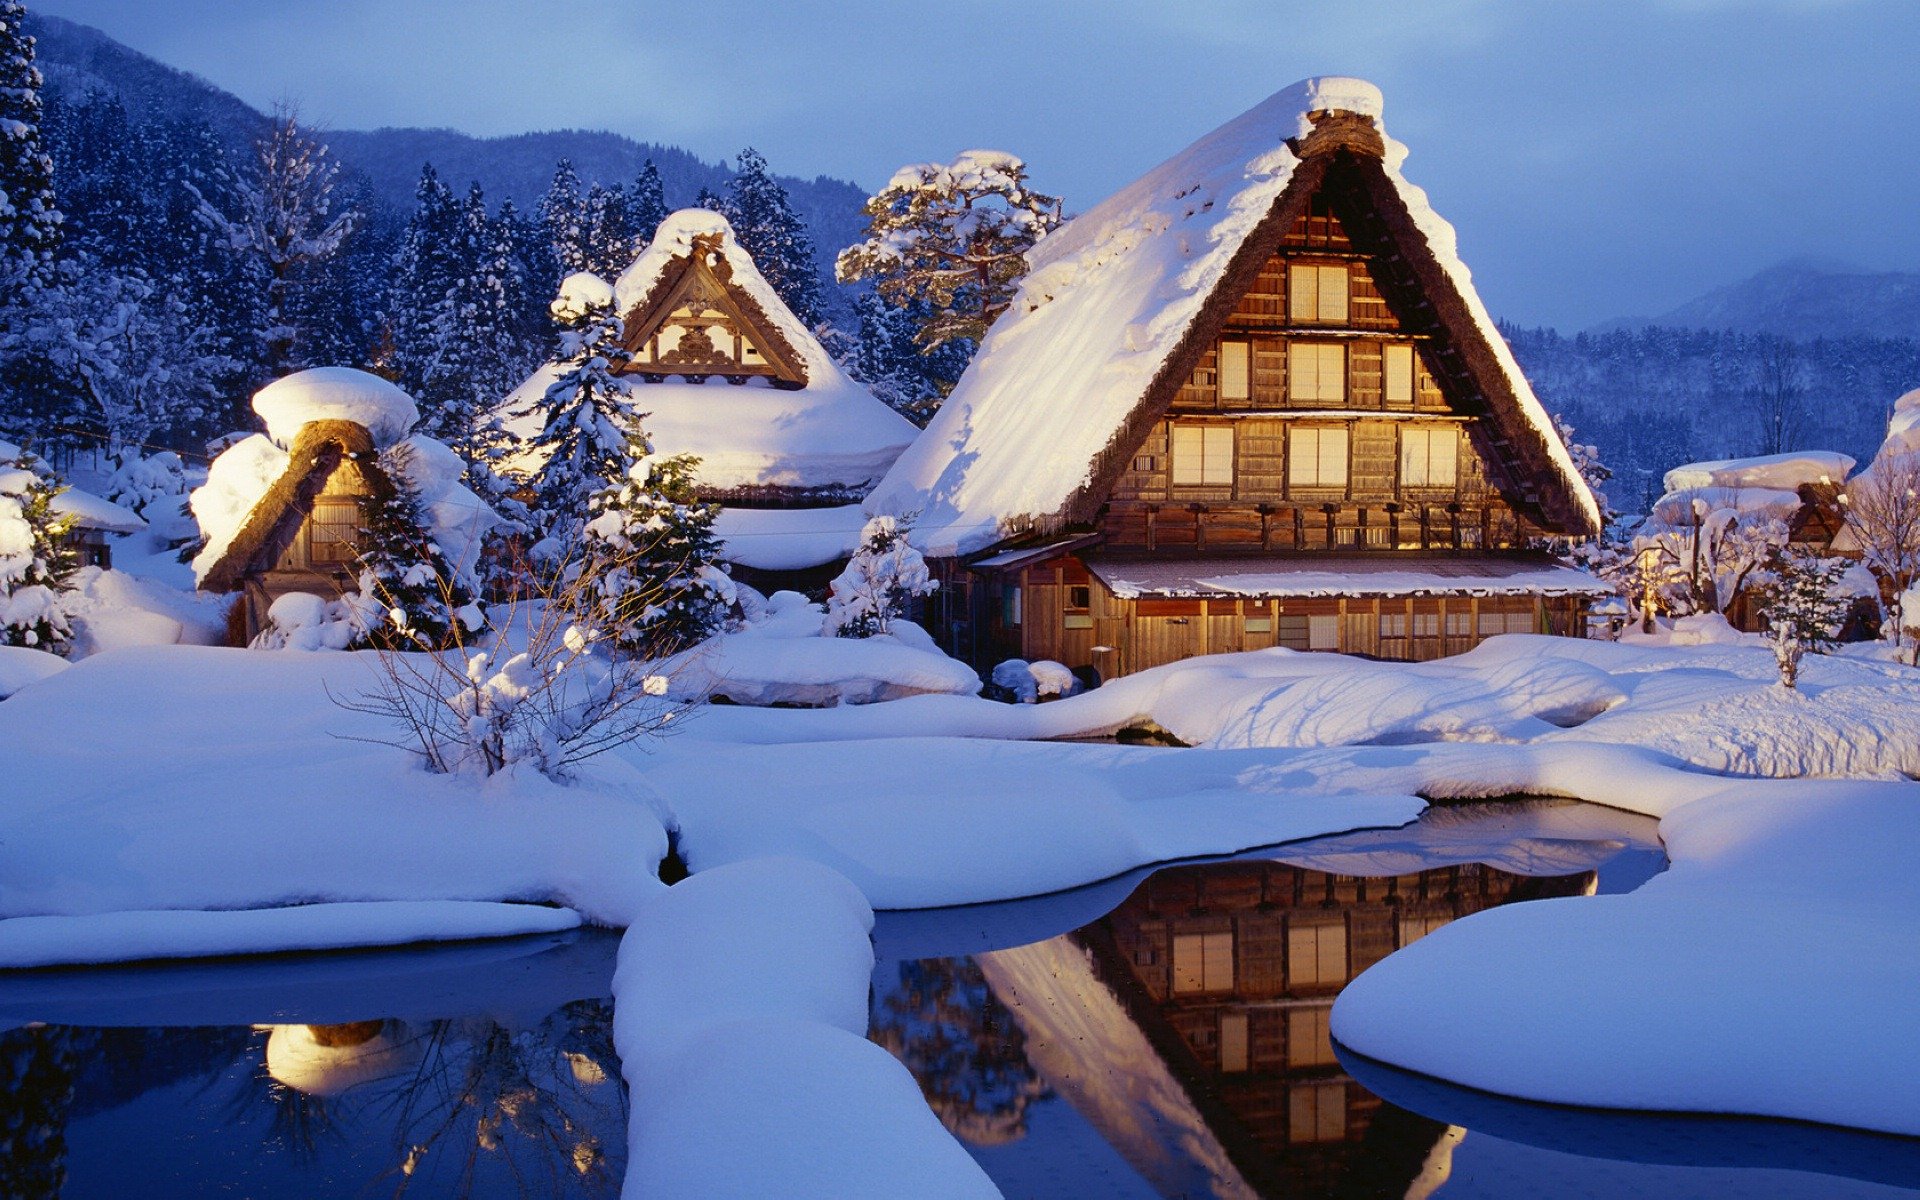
(724, 371)
(1251, 400)
(284, 512)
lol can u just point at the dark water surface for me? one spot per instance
(1159, 1035)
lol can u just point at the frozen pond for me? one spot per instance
(1159, 1035)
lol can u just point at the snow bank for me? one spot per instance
(335, 394)
(1110, 295)
(789, 539)
(112, 610)
(780, 656)
(1784, 472)
(740, 1015)
(21, 666)
(1805, 896)
(125, 936)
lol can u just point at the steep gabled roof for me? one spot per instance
(704, 274)
(1122, 301)
(319, 449)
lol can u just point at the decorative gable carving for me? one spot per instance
(696, 323)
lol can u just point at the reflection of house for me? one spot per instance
(1251, 400)
(1228, 973)
(723, 370)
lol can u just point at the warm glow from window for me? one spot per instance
(1233, 1041)
(1309, 1041)
(1429, 457)
(1203, 962)
(1317, 456)
(1397, 362)
(1202, 455)
(1317, 294)
(1317, 1112)
(1236, 370)
(1316, 372)
(1316, 954)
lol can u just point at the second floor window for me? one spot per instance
(1429, 457)
(1397, 363)
(1236, 370)
(1317, 295)
(1317, 457)
(1317, 372)
(1202, 455)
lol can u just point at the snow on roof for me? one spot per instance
(832, 433)
(1110, 296)
(1783, 471)
(789, 539)
(1903, 427)
(87, 510)
(335, 394)
(1343, 575)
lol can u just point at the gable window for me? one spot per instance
(1317, 295)
(1202, 455)
(1316, 372)
(1236, 370)
(1429, 457)
(1317, 456)
(1397, 362)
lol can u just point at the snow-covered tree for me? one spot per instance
(1586, 460)
(1881, 510)
(882, 578)
(285, 223)
(415, 313)
(34, 559)
(646, 205)
(405, 575)
(29, 217)
(1708, 556)
(955, 235)
(773, 234)
(660, 586)
(610, 241)
(562, 217)
(1803, 607)
(589, 432)
(886, 357)
(154, 486)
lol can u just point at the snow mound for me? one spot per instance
(1784, 472)
(581, 293)
(335, 394)
(112, 610)
(789, 539)
(23, 666)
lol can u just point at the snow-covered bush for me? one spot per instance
(153, 486)
(405, 575)
(34, 561)
(304, 621)
(1802, 607)
(1018, 681)
(883, 576)
(658, 584)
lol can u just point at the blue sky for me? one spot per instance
(1600, 157)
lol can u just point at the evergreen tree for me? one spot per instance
(646, 205)
(418, 294)
(405, 575)
(562, 215)
(34, 558)
(589, 434)
(763, 219)
(708, 200)
(1802, 608)
(882, 578)
(661, 585)
(955, 236)
(610, 241)
(531, 284)
(887, 357)
(29, 218)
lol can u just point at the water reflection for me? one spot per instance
(1178, 1044)
(512, 1090)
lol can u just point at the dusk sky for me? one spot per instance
(1600, 159)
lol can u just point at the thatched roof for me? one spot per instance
(319, 449)
(1123, 300)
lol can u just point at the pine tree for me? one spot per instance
(889, 360)
(481, 361)
(1802, 608)
(562, 216)
(589, 434)
(610, 240)
(646, 205)
(955, 236)
(415, 309)
(34, 558)
(661, 585)
(773, 234)
(29, 217)
(882, 578)
(405, 575)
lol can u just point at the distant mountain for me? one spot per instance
(78, 60)
(1801, 300)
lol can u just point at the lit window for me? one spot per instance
(1426, 625)
(1202, 455)
(1459, 624)
(1233, 1041)
(1309, 1040)
(1512, 622)
(1393, 625)
(1317, 457)
(1316, 372)
(1429, 457)
(1203, 962)
(1236, 370)
(1010, 605)
(335, 530)
(1397, 362)
(1316, 954)
(1317, 294)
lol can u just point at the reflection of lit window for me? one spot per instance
(1316, 953)
(1317, 1112)
(1233, 1041)
(1412, 929)
(1309, 1041)
(1203, 962)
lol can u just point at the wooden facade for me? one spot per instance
(1332, 400)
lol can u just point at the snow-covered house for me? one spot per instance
(724, 371)
(1250, 400)
(285, 512)
(91, 519)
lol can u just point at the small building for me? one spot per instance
(285, 512)
(723, 370)
(1250, 400)
(91, 519)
